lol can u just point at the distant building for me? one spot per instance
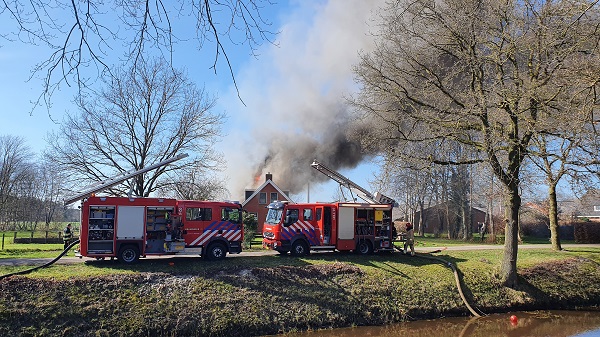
(589, 206)
(257, 200)
(436, 219)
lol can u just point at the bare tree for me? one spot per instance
(196, 183)
(49, 189)
(481, 74)
(15, 162)
(28, 208)
(411, 187)
(142, 116)
(552, 158)
(86, 34)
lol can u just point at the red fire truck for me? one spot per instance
(130, 228)
(299, 228)
(344, 226)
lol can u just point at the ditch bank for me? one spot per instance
(254, 299)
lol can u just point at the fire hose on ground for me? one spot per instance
(26, 271)
(456, 277)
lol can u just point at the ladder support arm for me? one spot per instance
(119, 179)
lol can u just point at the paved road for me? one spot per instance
(73, 259)
(487, 247)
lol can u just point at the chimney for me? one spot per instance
(268, 176)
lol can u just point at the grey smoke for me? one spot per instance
(295, 93)
(289, 157)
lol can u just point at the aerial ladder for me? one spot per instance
(119, 179)
(362, 193)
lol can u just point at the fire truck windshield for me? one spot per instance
(274, 216)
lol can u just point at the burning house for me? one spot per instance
(256, 200)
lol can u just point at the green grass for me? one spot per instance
(12, 250)
(29, 251)
(471, 260)
(429, 241)
(252, 296)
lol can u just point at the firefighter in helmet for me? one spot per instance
(410, 239)
(67, 236)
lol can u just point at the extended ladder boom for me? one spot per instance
(342, 180)
(119, 179)
(377, 198)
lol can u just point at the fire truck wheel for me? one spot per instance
(129, 254)
(364, 247)
(216, 251)
(299, 248)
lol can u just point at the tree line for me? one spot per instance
(30, 189)
(505, 84)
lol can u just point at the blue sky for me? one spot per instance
(290, 91)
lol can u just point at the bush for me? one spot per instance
(535, 229)
(586, 232)
(250, 227)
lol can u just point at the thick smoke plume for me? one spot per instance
(290, 157)
(295, 96)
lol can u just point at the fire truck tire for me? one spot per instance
(216, 251)
(129, 254)
(299, 248)
(364, 247)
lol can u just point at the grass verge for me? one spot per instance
(253, 296)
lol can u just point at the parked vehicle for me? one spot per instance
(300, 228)
(129, 228)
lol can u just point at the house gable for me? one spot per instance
(253, 204)
(261, 188)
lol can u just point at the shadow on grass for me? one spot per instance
(195, 265)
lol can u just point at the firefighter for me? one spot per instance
(67, 236)
(410, 239)
(481, 226)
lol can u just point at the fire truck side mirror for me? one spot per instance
(288, 220)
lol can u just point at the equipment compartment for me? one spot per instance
(101, 229)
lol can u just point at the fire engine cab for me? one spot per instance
(130, 228)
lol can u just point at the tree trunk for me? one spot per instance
(448, 220)
(490, 213)
(508, 269)
(421, 229)
(553, 215)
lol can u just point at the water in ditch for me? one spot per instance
(524, 324)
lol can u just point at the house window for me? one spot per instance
(273, 196)
(307, 214)
(596, 208)
(262, 198)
